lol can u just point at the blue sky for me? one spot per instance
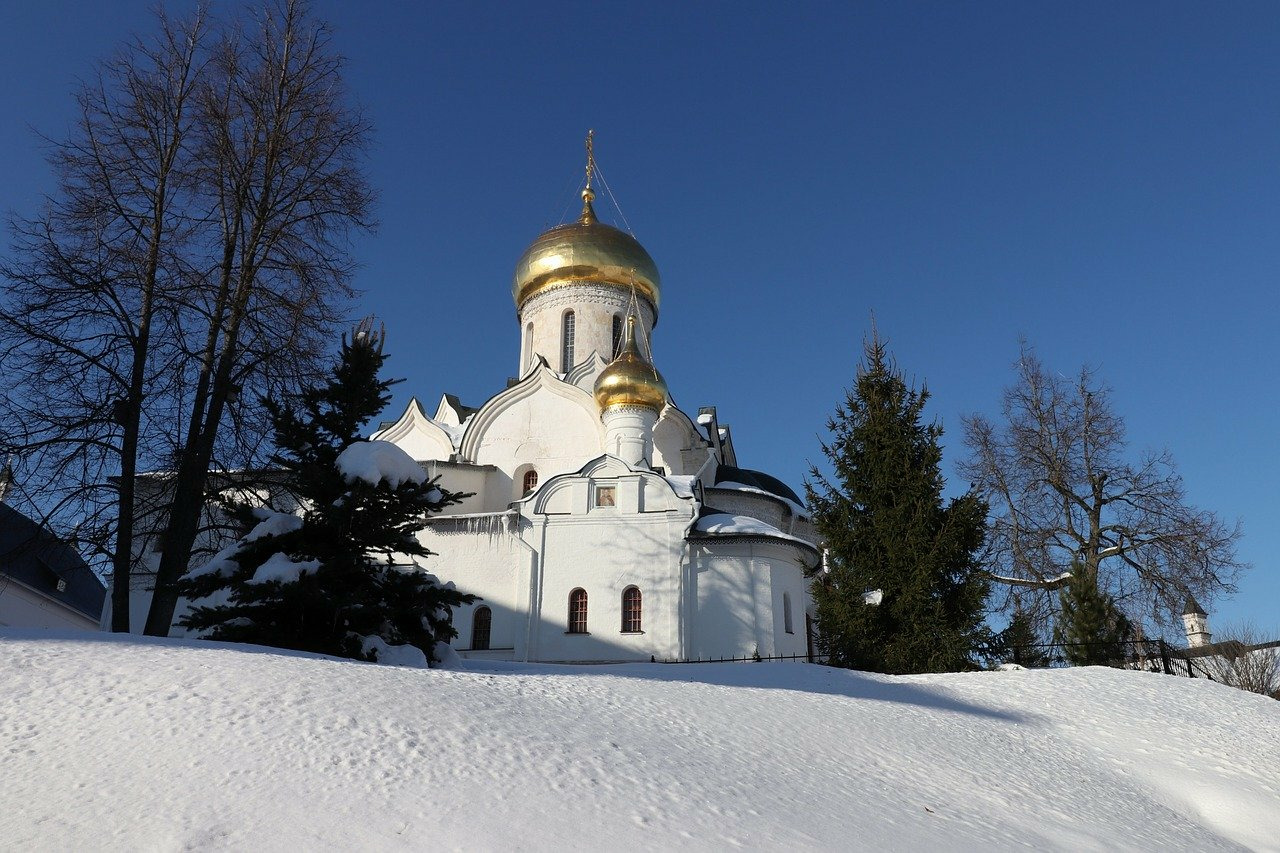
(1103, 179)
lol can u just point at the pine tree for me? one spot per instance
(325, 581)
(1020, 643)
(886, 528)
(1092, 629)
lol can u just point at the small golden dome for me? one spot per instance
(582, 251)
(630, 380)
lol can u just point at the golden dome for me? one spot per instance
(586, 250)
(630, 380)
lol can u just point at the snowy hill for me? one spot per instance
(130, 743)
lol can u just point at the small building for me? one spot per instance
(44, 583)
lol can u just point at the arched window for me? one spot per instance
(631, 610)
(786, 613)
(481, 622)
(617, 334)
(578, 611)
(530, 482)
(566, 343)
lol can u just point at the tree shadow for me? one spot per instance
(798, 677)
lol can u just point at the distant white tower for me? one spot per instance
(1196, 622)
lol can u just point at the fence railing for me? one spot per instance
(752, 658)
(1151, 655)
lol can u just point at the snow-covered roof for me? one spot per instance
(716, 523)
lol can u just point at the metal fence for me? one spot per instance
(1149, 655)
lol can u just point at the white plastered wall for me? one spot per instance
(739, 589)
(604, 550)
(594, 307)
(542, 422)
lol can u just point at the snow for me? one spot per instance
(682, 484)
(219, 563)
(796, 508)
(1047, 583)
(283, 568)
(379, 461)
(455, 433)
(118, 742)
(394, 655)
(873, 597)
(273, 524)
(722, 522)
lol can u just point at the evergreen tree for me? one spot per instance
(886, 527)
(1092, 629)
(325, 581)
(1021, 643)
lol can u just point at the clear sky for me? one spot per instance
(1103, 179)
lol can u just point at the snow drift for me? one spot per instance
(124, 743)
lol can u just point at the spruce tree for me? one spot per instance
(326, 580)
(886, 527)
(1091, 628)
(1021, 643)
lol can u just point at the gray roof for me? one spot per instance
(32, 555)
(1193, 607)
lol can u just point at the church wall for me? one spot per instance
(603, 551)
(423, 446)
(546, 430)
(740, 588)
(484, 557)
(675, 449)
(466, 478)
(594, 307)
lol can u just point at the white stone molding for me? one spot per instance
(420, 436)
(584, 375)
(542, 379)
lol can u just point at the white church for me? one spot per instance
(605, 524)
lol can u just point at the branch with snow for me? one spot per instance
(1032, 583)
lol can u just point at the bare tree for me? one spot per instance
(281, 158)
(1243, 659)
(1064, 488)
(79, 318)
(193, 258)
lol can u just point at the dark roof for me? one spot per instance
(758, 479)
(32, 555)
(1193, 607)
(464, 412)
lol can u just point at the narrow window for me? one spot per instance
(481, 622)
(631, 610)
(530, 482)
(566, 345)
(617, 334)
(786, 612)
(527, 361)
(578, 611)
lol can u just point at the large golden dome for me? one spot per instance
(586, 250)
(630, 379)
